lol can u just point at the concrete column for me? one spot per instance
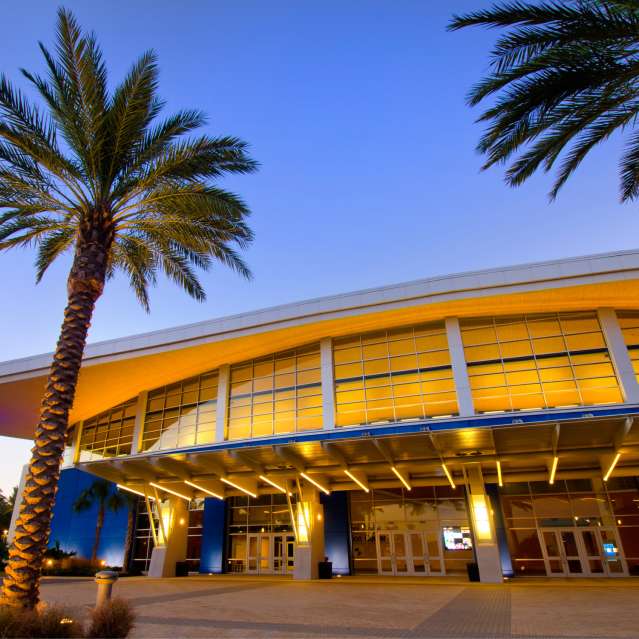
(483, 525)
(460, 372)
(221, 415)
(175, 515)
(309, 550)
(138, 427)
(328, 383)
(72, 452)
(619, 355)
(16, 505)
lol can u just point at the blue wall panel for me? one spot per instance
(76, 531)
(337, 534)
(213, 534)
(492, 490)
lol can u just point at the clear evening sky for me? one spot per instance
(355, 110)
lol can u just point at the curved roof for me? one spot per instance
(118, 369)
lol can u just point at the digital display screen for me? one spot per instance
(457, 538)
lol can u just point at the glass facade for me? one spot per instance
(538, 361)
(393, 375)
(573, 528)
(194, 534)
(629, 324)
(395, 531)
(181, 414)
(109, 434)
(281, 393)
(259, 531)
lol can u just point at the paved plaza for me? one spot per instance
(232, 606)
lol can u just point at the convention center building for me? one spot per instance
(482, 424)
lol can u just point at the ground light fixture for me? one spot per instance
(612, 466)
(169, 490)
(264, 478)
(204, 490)
(316, 484)
(357, 481)
(401, 478)
(449, 476)
(238, 487)
(553, 470)
(500, 479)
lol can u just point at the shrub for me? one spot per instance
(113, 620)
(39, 623)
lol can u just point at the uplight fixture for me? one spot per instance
(357, 481)
(240, 488)
(449, 476)
(399, 476)
(553, 470)
(612, 466)
(316, 484)
(131, 490)
(169, 490)
(204, 490)
(264, 478)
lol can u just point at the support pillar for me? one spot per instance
(483, 524)
(460, 371)
(619, 355)
(173, 533)
(223, 381)
(309, 550)
(328, 383)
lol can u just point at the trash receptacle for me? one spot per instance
(473, 571)
(181, 569)
(325, 569)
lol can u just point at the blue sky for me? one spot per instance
(356, 113)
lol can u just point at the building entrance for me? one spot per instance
(582, 552)
(408, 553)
(270, 554)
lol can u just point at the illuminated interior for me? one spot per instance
(538, 361)
(181, 414)
(393, 375)
(281, 393)
(109, 434)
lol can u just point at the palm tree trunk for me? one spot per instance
(128, 544)
(98, 531)
(21, 584)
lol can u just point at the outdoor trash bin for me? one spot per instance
(181, 569)
(473, 571)
(325, 569)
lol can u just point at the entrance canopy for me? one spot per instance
(542, 447)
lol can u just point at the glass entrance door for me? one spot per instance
(581, 552)
(408, 553)
(270, 554)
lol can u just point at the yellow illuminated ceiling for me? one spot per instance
(107, 380)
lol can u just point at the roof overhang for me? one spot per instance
(585, 444)
(116, 370)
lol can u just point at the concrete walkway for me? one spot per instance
(237, 606)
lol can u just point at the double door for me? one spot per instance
(270, 554)
(409, 553)
(582, 552)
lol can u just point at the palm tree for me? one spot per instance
(564, 77)
(95, 173)
(100, 493)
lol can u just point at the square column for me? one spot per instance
(328, 383)
(172, 535)
(483, 524)
(309, 549)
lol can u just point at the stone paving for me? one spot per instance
(251, 607)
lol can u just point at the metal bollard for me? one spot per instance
(105, 580)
